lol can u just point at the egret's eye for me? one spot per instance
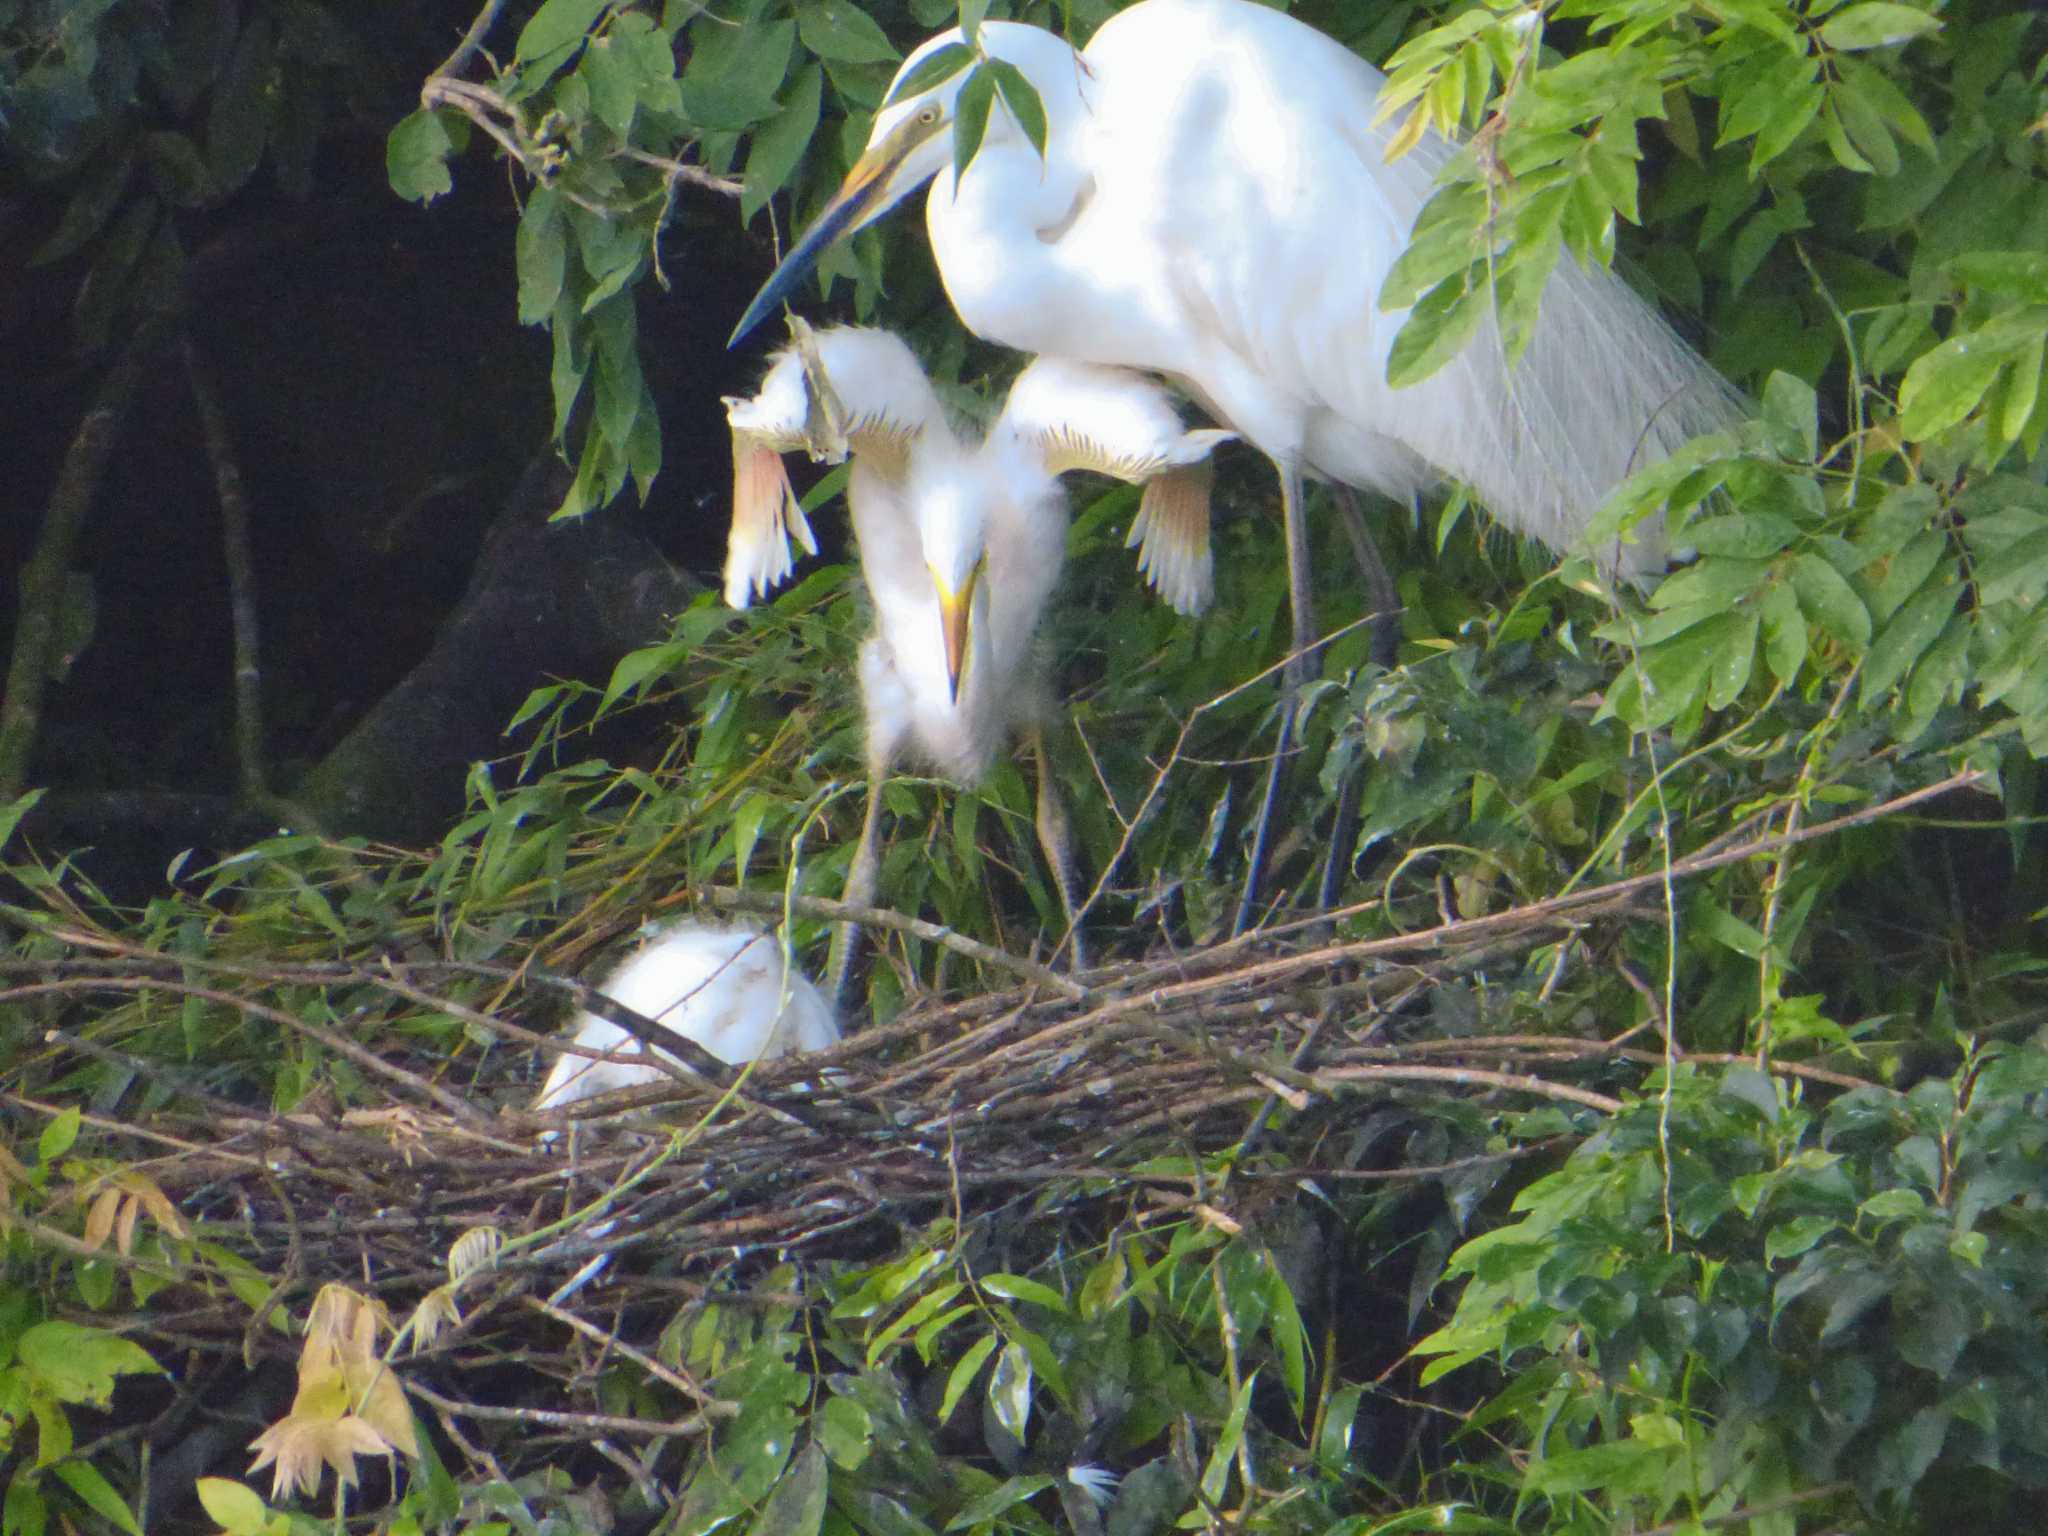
(928, 115)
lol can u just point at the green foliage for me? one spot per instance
(1734, 1302)
(1730, 1296)
(51, 1366)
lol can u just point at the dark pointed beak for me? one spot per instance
(864, 195)
(869, 189)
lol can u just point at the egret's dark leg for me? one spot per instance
(1385, 606)
(1056, 837)
(1301, 600)
(1382, 597)
(863, 876)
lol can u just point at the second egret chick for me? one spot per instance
(975, 567)
(960, 545)
(846, 389)
(725, 988)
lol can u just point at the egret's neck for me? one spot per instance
(995, 230)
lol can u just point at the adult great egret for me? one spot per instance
(725, 988)
(1214, 203)
(960, 546)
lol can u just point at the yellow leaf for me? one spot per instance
(1408, 135)
(301, 1446)
(437, 1311)
(99, 1220)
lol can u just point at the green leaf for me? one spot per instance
(916, 1315)
(1615, 1467)
(416, 156)
(1829, 601)
(232, 1506)
(1009, 1389)
(961, 1377)
(1437, 328)
(797, 1506)
(1333, 1448)
(58, 1135)
(1216, 1472)
(1753, 535)
(25, 1511)
(1789, 1239)
(970, 118)
(1893, 1205)
(1716, 922)
(780, 144)
(1790, 114)
(1017, 1288)
(2021, 275)
(1004, 1496)
(178, 170)
(96, 1494)
(1945, 385)
(1021, 97)
(1875, 24)
(940, 66)
(846, 1430)
(1791, 417)
(833, 29)
(1906, 639)
(98, 194)
(542, 253)
(558, 25)
(608, 73)
(10, 818)
(1846, 154)
(1737, 658)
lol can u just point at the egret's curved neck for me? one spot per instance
(992, 228)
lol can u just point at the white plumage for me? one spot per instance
(961, 543)
(725, 988)
(1214, 204)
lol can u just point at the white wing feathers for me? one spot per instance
(1115, 422)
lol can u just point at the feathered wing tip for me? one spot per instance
(1171, 535)
(765, 517)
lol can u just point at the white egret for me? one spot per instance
(726, 988)
(1213, 203)
(1132, 433)
(961, 546)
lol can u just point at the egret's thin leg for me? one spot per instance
(862, 878)
(1301, 597)
(1056, 837)
(1382, 596)
(1385, 601)
(1301, 600)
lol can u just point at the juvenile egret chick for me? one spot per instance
(988, 528)
(880, 402)
(726, 988)
(960, 549)
(1117, 423)
(877, 402)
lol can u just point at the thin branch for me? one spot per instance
(234, 528)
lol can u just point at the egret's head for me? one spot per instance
(949, 495)
(909, 143)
